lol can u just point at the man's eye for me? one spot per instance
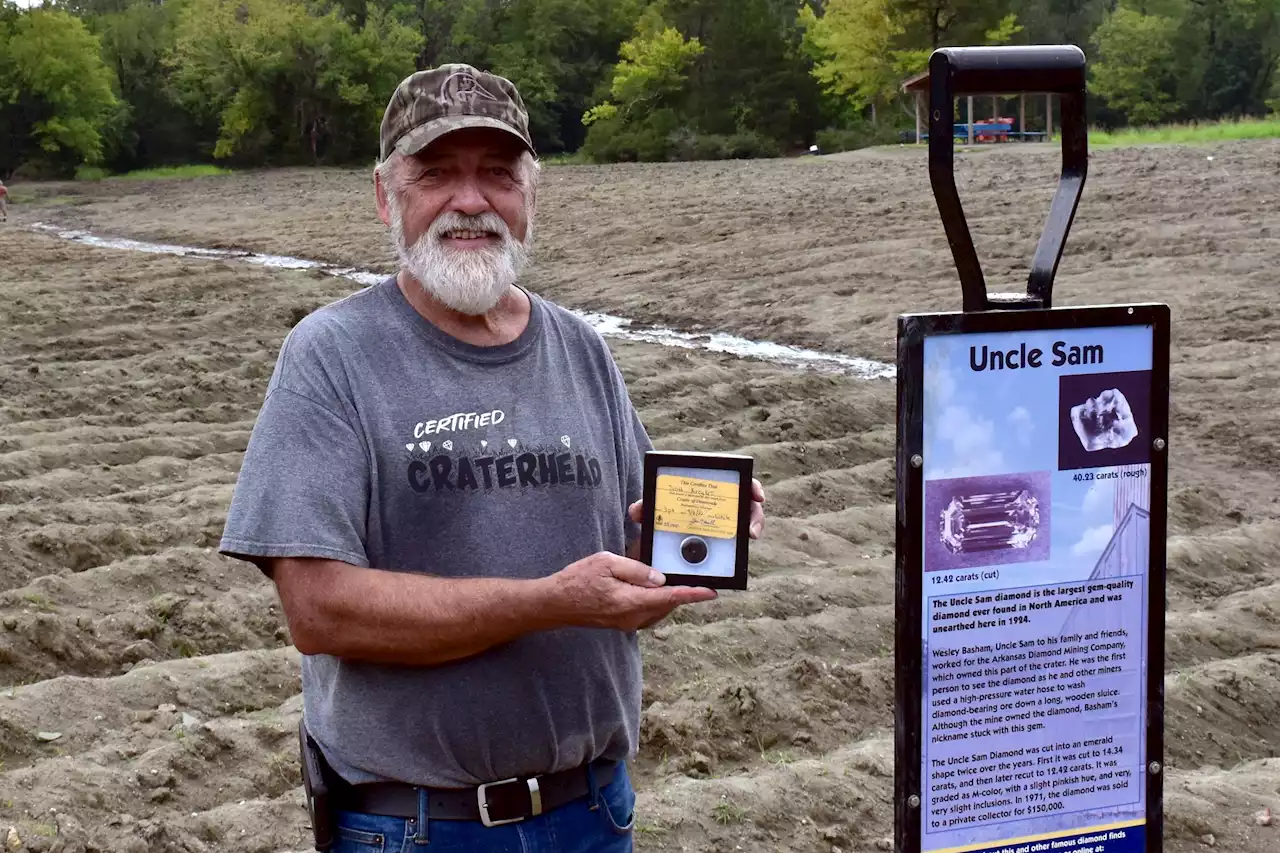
(432, 172)
(502, 171)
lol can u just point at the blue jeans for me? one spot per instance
(601, 822)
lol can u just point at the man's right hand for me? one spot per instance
(605, 590)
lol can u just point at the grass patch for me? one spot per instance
(91, 173)
(199, 170)
(39, 602)
(574, 159)
(16, 197)
(1190, 134)
(726, 813)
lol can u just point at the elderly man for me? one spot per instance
(443, 482)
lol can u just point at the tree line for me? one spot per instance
(127, 84)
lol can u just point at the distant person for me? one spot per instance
(443, 482)
(4, 202)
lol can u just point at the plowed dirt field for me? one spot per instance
(129, 383)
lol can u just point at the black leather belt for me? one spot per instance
(493, 803)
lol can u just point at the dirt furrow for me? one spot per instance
(1223, 808)
(184, 602)
(767, 717)
(1222, 713)
(87, 712)
(840, 799)
(1211, 566)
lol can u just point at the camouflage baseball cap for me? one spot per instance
(428, 104)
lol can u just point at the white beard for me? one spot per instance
(470, 281)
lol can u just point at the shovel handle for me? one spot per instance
(1046, 69)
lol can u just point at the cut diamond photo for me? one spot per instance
(1104, 422)
(990, 521)
(987, 521)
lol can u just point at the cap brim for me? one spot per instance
(420, 137)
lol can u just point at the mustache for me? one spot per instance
(453, 221)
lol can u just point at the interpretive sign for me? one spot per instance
(1031, 524)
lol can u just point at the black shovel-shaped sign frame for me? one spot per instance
(1056, 69)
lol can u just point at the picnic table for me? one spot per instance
(990, 130)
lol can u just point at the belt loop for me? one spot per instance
(420, 837)
(593, 793)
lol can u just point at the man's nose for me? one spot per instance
(468, 199)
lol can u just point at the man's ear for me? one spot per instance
(380, 193)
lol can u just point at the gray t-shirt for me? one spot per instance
(384, 442)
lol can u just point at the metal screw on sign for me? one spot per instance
(913, 801)
(1158, 444)
(1154, 768)
(917, 460)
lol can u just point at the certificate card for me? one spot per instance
(697, 509)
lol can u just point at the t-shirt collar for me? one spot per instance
(471, 352)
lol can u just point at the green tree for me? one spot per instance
(1228, 51)
(56, 95)
(285, 84)
(157, 128)
(1136, 67)
(652, 69)
(855, 43)
(931, 24)
(646, 90)
(754, 74)
(558, 52)
(865, 48)
(1062, 21)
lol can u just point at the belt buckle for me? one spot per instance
(482, 800)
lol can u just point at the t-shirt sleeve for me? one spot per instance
(638, 443)
(303, 488)
(633, 443)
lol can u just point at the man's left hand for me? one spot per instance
(754, 529)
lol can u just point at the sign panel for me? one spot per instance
(1031, 570)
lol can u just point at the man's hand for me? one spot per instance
(605, 590)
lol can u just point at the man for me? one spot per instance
(4, 203)
(442, 482)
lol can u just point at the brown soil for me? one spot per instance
(130, 383)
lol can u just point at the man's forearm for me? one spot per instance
(401, 618)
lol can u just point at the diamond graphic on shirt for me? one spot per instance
(484, 444)
(409, 446)
(447, 445)
(425, 445)
(564, 439)
(513, 442)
